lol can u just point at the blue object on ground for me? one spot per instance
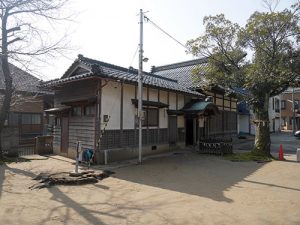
(87, 155)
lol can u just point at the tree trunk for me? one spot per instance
(7, 79)
(262, 136)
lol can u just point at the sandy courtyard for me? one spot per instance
(179, 189)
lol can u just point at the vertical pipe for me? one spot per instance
(77, 156)
(140, 85)
(121, 113)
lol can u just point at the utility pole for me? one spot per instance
(294, 119)
(140, 85)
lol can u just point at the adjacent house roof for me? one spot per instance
(290, 90)
(22, 81)
(84, 67)
(183, 72)
(191, 74)
(243, 108)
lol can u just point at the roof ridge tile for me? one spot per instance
(179, 64)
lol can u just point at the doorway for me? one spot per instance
(64, 134)
(189, 134)
(172, 130)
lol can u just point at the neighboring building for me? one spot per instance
(93, 96)
(224, 123)
(274, 113)
(287, 114)
(246, 116)
(25, 120)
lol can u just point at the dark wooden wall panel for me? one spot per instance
(76, 90)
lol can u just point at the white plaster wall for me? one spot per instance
(271, 110)
(273, 115)
(277, 124)
(163, 118)
(219, 102)
(172, 101)
(180, 101)
(128, 108)
(163, 97)
(144, 93)
(153, 95)
(110, 105)
(243, 123)
(252, 125)
(180, 121)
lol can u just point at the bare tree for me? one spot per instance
(270, 5)
(23, 38)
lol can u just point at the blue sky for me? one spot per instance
(109, 30)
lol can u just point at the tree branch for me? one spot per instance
(13, 29)
(14, 40)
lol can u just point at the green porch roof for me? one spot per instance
(201, 107)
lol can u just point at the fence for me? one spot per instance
(25, 150)
(43, 145)
(217, 146)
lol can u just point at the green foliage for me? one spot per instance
(220, 45)
(263, 58)
(271, 40)
(248, 156)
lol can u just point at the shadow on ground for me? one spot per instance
(194, 174)
(66, 202)
(2, 177)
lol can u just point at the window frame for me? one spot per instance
(146, 122)
(92, 112)
(73, 112)
(13, 119)
(30, 115)
(283, 104)
(296, 104)
(83, 111)
(57, 121)
(277, 105)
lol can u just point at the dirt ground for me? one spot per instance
(178, 189)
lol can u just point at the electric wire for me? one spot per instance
(137, 48)
(166, 33)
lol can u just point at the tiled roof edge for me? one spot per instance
(178, 65)
(55, 82)
(90, 62)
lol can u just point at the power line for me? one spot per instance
(137, 48)
(158, 27)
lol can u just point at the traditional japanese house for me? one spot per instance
(95, 97)
(25, 120)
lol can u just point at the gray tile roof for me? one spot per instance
(22, 81)
(183, 72)
(102, 69)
